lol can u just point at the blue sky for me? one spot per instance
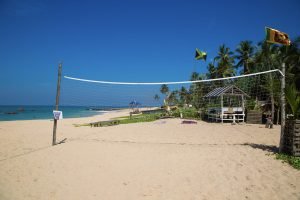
(136, 41)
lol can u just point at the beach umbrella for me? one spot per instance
(134, 103)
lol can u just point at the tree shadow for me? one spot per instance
(264, 147)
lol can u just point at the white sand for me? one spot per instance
(157, 160)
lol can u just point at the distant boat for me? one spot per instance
(95, 109)
(11, 113)
(102, 109)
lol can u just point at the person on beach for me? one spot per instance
(269, 123)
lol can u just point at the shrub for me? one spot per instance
(292, 160)
(188, 113)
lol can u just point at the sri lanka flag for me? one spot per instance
(278, 37)
(200, 55)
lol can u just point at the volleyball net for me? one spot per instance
(220, 98)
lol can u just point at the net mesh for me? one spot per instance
(259, 92)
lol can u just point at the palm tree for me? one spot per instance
(194, 76)
(183, 95)
(225, 62)
(164, 89)
(292, 61)
(172, 98)
(269, 57)
(156, 97)
(212, 71)
(134, 105)
(245, 52)
(293, 98)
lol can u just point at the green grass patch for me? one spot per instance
(120, 118)
(140, 118)
(292, 160)
(133, 119)
(188, 113)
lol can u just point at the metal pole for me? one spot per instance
(282, 99)
(57, 102)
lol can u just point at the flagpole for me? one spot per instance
(57, 102)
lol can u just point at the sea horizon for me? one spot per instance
(35, 112)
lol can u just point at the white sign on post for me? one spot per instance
(57, 114)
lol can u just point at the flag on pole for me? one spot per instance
(278, 37)
(200, 55)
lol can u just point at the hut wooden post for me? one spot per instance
(221, 108)
(243, 108)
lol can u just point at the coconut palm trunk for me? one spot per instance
(272, 106)
(278, 112)
(246, 67)
(272, 97)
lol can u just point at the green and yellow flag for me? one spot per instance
(200, 55)
(278, 37)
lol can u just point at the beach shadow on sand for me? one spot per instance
(264, 147)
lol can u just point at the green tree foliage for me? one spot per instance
(196, 90)
(184, 96)
(225, 60)
(156, 97)
(164, 89)
(293, 99)
(268, 57)
(173, 97)
(245, 53)
(264, 56)
(212, 71)
(292, 61)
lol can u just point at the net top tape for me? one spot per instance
(171, 83)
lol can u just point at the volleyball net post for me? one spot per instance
(57, 103)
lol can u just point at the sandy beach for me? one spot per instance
(163, 160)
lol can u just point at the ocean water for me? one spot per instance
(11, 113)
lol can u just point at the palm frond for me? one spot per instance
(293, 99)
